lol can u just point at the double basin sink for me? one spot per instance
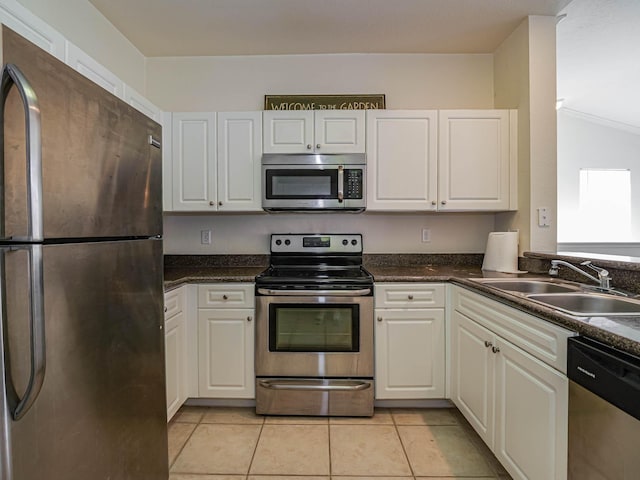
(572, 298)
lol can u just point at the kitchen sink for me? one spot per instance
(528, 286)
(589, 304)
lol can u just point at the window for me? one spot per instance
(605, 204)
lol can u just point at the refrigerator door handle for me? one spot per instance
(11, 75)
(20, 406)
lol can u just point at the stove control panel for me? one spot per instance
(316, 243)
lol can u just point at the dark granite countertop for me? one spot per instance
(620, 332)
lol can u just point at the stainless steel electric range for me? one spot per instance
(314, 329)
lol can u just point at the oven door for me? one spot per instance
(314, 336)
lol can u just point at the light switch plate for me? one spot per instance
(543, 217)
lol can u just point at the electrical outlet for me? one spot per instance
(543, 217)
(426, 235)
(205, 237)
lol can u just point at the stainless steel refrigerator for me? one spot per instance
(82, 364)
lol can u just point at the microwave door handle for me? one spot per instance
(340, 184)
(11, 75)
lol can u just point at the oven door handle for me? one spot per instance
(292, 385)
(315, 293)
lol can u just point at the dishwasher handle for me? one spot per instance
(611, 374)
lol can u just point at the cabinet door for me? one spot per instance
(288, 131)
(402, 160)
(409, 353)
(140, 103)
(474, 160)
(194, 161)
(175, 362)
(472, 374)
(239, 153)
(22, 21)
(94, 71)
(339, 131)
(531, 416)
(225, 353)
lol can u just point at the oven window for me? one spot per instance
(304, 184)
(314, 328)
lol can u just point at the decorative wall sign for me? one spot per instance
(324, 102)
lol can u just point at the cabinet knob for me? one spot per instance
(212, 203)
(318, 146)
(165, 309)
(434, 203)
(249, 318)
(220, 203)
(224, 297)
(309, 147)
(379, 319)
(488, 344)
(410, 297)
(443, 202)
(495, 349)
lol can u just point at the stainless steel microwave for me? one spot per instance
(313, 182)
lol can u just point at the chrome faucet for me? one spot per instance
(604, 279)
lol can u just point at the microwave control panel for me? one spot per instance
(353, 183)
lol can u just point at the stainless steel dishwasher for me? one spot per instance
(604, 412)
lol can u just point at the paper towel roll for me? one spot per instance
(501, 254)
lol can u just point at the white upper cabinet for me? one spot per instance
(140, 103)
(402, 148)
(215, 162)
(447, 160)
(239, 153)
(476, 167)
(194, 161)
(94, 71)
(319, 131)
(22, 21)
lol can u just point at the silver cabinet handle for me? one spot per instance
(11, 75)
(434, 203)
(410, 297)
(348, 385)
(20, 406)
(379, 319)
(220, 203)
(153, 142)
(224, 297)
(443, 202)
(309, 146)
(488, 344)
(166, 309)
(318, 146)
(249, 318)
(212, 203)
(495, 349)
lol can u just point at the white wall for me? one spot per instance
(525, 78)
(382, 233)
(585, 143)
(82, 24)
(240, 83)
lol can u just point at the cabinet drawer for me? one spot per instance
(409, 295)
(544, 340)
(226, 295)
(173, 302)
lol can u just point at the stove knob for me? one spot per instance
(354, 242)
(345, 242)
(287, 242)
(278, 242)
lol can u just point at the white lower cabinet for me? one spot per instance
(409, 342)
(517, 403)
(175, 349)
(226, 341)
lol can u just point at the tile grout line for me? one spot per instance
(185, 442)
(255, 449)
(404, 450)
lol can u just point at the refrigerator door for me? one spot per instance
(101, 412)
(101, 175)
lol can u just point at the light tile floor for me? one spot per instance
(236, 444)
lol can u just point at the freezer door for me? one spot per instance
(101, 412)
(101, 175)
